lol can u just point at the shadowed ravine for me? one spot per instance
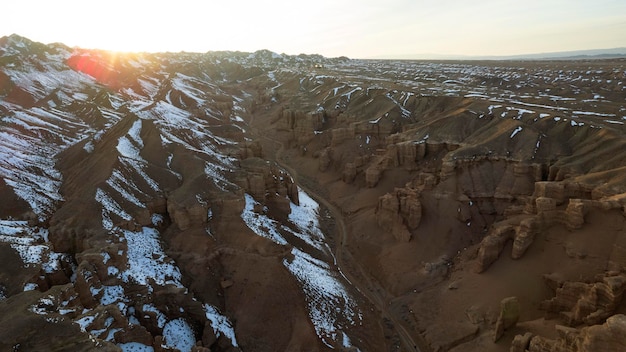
(363, 283)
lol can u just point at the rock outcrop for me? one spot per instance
(521, 342)
(492, 245)
(373, 175)
(349, 173)
(266, 182)
(543, 209)
(399, 212)
(509, 316)
(188, 212)
(609, 336)
(587, 303)
(302, 125)
(325, 159)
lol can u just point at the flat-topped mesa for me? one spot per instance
(408, 153)
(575, 213)
(349, 172)
(509, 316)
(480, 175)
(524, 237)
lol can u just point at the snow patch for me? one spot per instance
(376, 121)
(30, 286)
(146, 260)
(516, 131)
(305, 217)
(135, 347)
(347, 343)
(220, 323)
(574, 123)
(118, 182)
(261, 224)
(161, 318)
(110, 206)
(590, 113)
(31, 244)
(84, 322)
(178, 334)
(327, 297)
(112, 294)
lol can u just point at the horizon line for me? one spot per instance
(615, 52)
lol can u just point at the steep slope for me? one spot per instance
(440, 167)
(144, 217)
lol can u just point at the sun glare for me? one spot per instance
(353, 28)
(103, 68)
(196, 26)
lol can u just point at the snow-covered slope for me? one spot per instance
(104, 155)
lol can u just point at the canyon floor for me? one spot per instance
(233, 201)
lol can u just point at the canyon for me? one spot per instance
(228, 201)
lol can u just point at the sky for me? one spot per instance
(353, 28)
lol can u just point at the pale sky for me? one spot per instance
(354, 28)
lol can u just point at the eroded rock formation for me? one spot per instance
(608, 336)
(509, 316)
(589, 303)
(156, 202)
(399, 212)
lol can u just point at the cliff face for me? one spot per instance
(400, 212)
(605, 337)
(439, 190)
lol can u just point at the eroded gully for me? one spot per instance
(366, 285)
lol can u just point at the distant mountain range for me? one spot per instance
(562, 55)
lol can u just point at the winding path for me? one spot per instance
(371, 290)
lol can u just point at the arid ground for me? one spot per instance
(261, 202)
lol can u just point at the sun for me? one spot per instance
(148, 26)
(140, 26)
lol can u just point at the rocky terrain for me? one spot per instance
(234, 201)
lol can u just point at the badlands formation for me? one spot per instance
(233, 201)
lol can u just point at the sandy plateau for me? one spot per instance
(233, 201)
